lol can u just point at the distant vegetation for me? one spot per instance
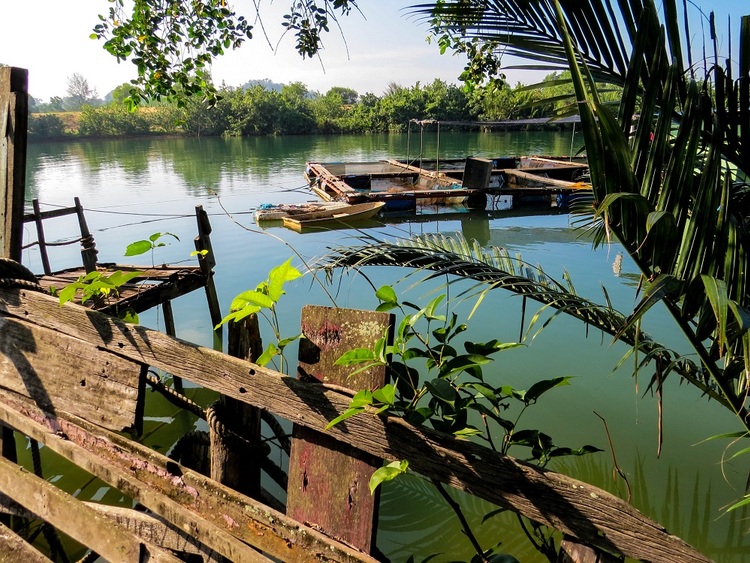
(266, 108)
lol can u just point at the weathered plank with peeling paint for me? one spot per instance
(76, 519)
(329, 480)
(214, 515)
(147, 526)
(60, 372)
(17, 550)
(576, 508)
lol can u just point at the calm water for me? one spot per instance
(132, 189)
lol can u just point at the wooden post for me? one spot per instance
(329, 480)
(14, 104)
(207, 262)
(14, 119)
(230, 465)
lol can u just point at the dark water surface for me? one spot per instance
(134, 188)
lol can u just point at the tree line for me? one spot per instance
(262, 108)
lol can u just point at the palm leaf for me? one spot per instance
(675, 142)
(493, 268)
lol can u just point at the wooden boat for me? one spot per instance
(276, 212)
(348, 214)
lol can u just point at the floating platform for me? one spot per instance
(467, 181)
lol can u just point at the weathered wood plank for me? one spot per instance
(15, 550)
(214, 515)
(63, 373)
(587, 513)
(14, 118)
(236, 465)
(74, 518)
(149, 527)
(342, 506)
(157, 531)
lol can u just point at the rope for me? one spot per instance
(11, 272)
(187, 441)
(280, 434)
(173, 396)
(232, 438)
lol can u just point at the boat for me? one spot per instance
(341, 215)
(267, 212)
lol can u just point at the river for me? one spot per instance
(134, 188)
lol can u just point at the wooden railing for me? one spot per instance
(72, 377)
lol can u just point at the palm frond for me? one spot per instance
(667, 168)
(496, 269)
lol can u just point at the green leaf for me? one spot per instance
(541, 387)
(387, 295)
(268, 354)
(385, 395)
(348, 413)
(442, 390)
(250, 298)
(129, 315)
(68, 293)
(429, 311)
(361, 398)
(138, 247)
(120, 278)
(387, 473)
(278, 276)
(156, 236)
(356, 356)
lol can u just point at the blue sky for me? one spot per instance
(51, 39)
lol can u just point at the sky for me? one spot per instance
(51, 39)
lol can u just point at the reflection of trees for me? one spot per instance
(131, 156)
(213, 163)
(688, 507)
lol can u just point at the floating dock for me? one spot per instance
(400, 184)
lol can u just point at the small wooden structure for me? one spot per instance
(467, 180)
(153, 286)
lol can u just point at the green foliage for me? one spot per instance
(172, 44)
(99, 288)
(46, 126)
(142, 246)
(112, 121)
(387, 473)
(263, 299)
(453, 396)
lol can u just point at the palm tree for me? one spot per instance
(668, 164)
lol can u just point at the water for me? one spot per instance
(134, 188)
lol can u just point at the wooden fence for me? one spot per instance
(75, 381)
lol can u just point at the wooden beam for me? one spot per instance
(214, 515)
(238, 466)
(587, 513)
(16, 550)
(147, 526)
(60, 372)
(156, 530)
(71, 516)
(342, 506)
(14, 104)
